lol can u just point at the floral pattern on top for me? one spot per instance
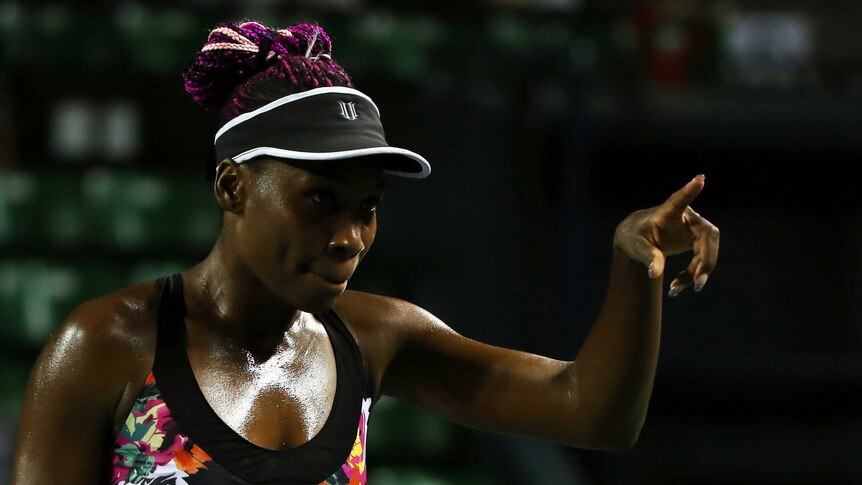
(150, 447)
(150, 450)
(353, 470)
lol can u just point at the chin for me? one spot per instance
(318, 307)
(308, 293)
(319, 302)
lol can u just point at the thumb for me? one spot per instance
(655, 267)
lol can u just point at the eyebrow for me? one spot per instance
(336, 177)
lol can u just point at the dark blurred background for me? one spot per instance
(546, 123)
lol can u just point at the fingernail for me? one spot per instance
(700, 175)
(650, 270)
(701, 281)
(673, 291)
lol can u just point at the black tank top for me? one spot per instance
(173, 434)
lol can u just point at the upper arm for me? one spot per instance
(426, 362)
(72, 395)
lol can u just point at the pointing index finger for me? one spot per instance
(683, 197)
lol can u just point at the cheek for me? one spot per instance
(264, 239)
(368, 236)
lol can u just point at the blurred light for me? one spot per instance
(41, 289)
(156, 40)
(378, 25)
(73, 125)
(15, 189)
(54, 18)
(81, 129)
(121, 131)
(771, 48)
(512, 34)
(11, 29)
(583, 53)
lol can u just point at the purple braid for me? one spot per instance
(244, 66)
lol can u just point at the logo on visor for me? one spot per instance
(348, 110)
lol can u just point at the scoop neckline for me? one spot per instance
(222, 442)
(327, 424)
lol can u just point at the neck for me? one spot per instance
(226, 299)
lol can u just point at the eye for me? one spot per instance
(371, 204)
(321, 196)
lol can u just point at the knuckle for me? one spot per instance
(684, 277)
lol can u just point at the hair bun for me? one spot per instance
(307, 40)
(236, 56)
(231, 54)
(234, 52)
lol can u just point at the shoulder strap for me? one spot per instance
(171, 308)
(334, 322)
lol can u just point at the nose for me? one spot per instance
(346, 243)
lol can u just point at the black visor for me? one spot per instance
(331, 123)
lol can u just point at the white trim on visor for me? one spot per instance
(359, 152)
(289, 99)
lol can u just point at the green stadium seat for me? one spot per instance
(13, 381)
(159, 40)
(38, 295)
(195, 215)
(396, 427)
(123, 206)
(150, 270)
(63, 217)
(431, 475)
(42, 208)
(20, 207)
(139, 211)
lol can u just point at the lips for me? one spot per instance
(335, 277)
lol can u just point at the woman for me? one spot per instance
(257, 366)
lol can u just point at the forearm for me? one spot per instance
(614, 370)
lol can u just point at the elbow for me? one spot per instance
(624, 433)
(608, 442)
(604, 421)
(621, 429)
(621, 443)
(617, 438)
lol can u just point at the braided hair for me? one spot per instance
(243, 66)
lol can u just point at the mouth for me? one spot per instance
(337, 279)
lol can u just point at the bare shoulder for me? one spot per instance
(123, 322)
(103, 351)
(382, 325)
(368, 312)
(84, 383)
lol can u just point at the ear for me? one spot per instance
(230, 186)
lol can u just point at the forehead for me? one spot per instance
(362, 172)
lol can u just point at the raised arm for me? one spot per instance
(75, 388)
(617, 362)
(597, 401)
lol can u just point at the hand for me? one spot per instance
(650, 235)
